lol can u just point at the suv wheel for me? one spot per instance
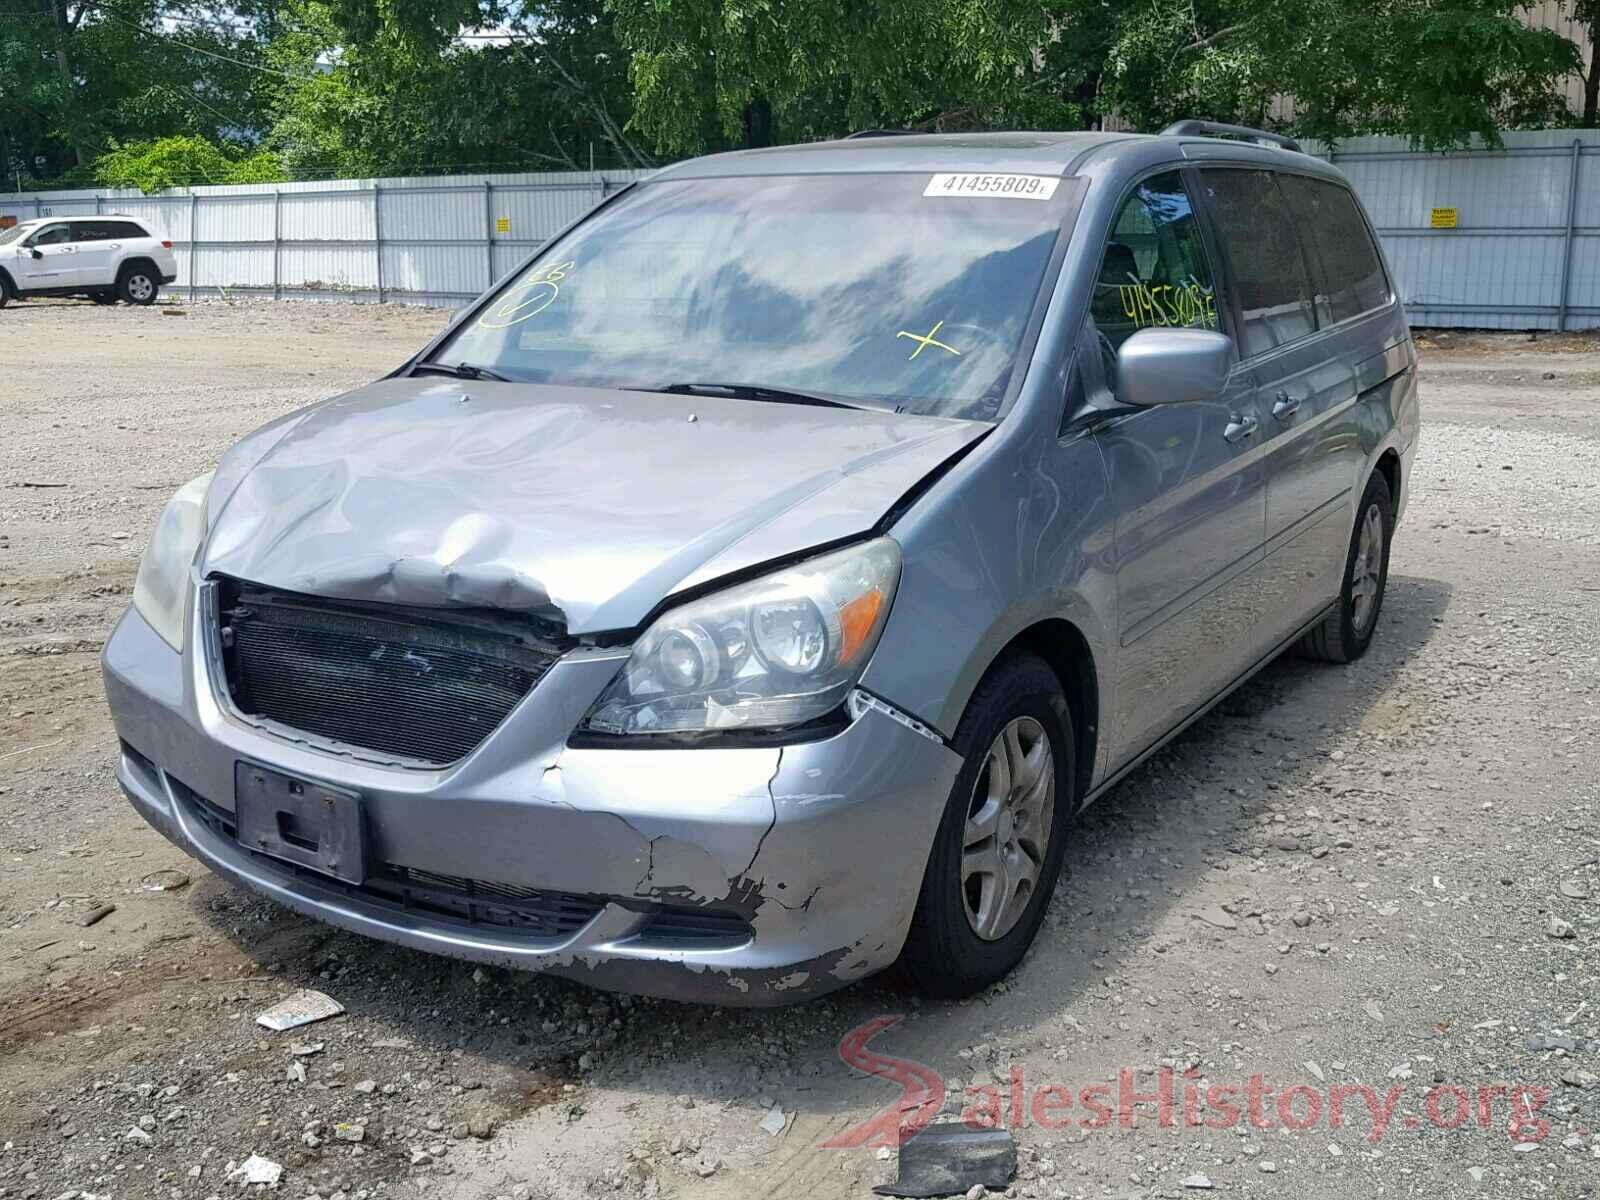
(138, 285)
(1347, 631)
(5, 292)
(998, 849)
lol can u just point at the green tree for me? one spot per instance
(410, 92)
(714, 73)
(182, 161)
(1437, 71)
(79, 78)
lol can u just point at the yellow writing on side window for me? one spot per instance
(1186, 305)
(526, 299)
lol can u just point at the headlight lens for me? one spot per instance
(161, 589)
(769, 654)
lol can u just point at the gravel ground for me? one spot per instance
(1382, 877)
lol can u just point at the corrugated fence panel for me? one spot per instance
(325, 217)
(435, 213)
(441, 240)
(459, 272)
(328, 267)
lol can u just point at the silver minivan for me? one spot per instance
(745, 594)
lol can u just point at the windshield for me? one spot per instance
(7, 236)
(899, 291)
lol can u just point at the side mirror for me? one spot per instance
(36, 252)
(1172, 366)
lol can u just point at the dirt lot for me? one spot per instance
(1382, 876)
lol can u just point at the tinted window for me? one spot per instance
(1154, 272)
(89, 231)
(51, 235)
(1350, 273)
(1267, 269)
(122, 229)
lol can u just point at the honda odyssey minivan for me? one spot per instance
(745, 594)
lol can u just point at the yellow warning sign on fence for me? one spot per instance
(503, 224)
(1442, 218)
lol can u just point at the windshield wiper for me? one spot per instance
(460, 370)
(751, 391)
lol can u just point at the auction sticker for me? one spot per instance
(993, 187)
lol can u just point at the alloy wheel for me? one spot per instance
(1365, 571)
(1008, 828)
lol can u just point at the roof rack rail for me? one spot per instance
(1192, 127)
(874, 133)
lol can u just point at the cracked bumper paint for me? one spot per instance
(819, 847)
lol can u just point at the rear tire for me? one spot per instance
(973, 921)
(138, 285)
(1346, 632)
(5, 291)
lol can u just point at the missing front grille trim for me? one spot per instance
(419, 685)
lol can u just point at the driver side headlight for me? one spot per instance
(161, 589)
(770, 654)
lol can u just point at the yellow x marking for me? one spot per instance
(923, 342)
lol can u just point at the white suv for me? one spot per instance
(106, 258)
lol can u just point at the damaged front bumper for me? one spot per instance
(752, 876)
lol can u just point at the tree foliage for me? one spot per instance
(182, 161)
(1438, 71)
(183, 91)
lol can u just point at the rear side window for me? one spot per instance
(1154, 271)
(1267, 269)
(1350, 272)
(88, 231)
(123, 229)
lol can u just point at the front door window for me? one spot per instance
(1154, 273)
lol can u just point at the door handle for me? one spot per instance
(1285, 406)
(114, 246)
(1240, 428)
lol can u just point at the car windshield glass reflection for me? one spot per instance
(861, 287)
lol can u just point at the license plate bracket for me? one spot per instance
(300, 821)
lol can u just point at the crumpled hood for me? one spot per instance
(586, 505)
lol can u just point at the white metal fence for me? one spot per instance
(1523, 252)
(438, 241)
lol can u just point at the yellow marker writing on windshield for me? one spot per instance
(923, 342)
(527, 299)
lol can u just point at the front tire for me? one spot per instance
(997, 853)
(1346, 632)
(138, 285)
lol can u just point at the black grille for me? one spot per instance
(426, 685)
(477, 902)
(691, 928)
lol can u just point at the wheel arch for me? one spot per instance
(1066, 650)
(138, 260)
(7, 283)
(1388, 465)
